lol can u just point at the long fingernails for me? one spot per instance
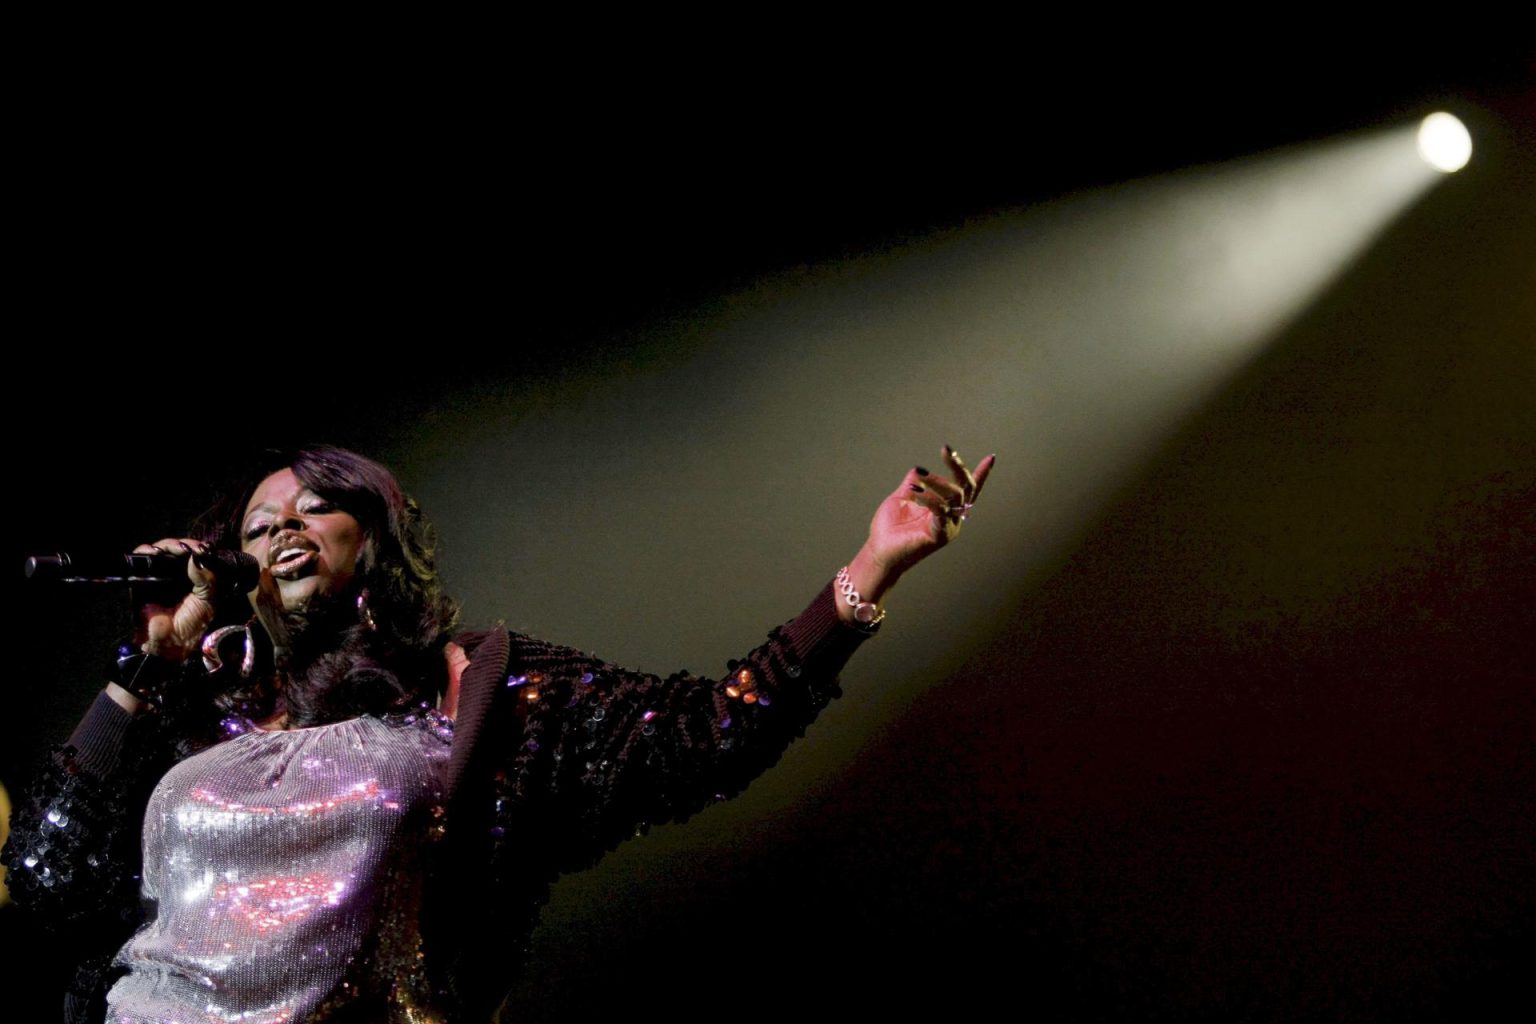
(920, 470)
(918, 488)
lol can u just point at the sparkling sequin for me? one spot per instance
(318, 835)
(703, 745)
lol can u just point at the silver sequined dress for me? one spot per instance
(285, 872)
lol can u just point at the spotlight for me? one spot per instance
(1444, 142)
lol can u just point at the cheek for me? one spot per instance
(360, 548)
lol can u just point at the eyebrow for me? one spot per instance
(245, 520)
(266, 506)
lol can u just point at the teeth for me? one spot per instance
(290, 555)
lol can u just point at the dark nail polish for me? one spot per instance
(918, 488)
(920, 471)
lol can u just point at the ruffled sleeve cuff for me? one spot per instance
(820, 638)
(98, 739)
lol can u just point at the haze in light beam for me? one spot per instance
(728, 467)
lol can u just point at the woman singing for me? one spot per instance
(304, 813)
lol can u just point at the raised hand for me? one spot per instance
(926, 511)
(922, 515)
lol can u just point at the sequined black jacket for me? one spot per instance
(557, 757)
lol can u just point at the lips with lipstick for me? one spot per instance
(291, 555)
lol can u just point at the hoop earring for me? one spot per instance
(364, 613)
(211, 660)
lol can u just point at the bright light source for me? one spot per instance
(1444, 143)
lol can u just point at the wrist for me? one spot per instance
(872, 578)
(142, 674)
(125, 700)
(861, 586)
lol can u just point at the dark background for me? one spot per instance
(1210, 765)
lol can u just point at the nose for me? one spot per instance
(288, 519)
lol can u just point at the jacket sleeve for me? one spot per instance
(73, 852)
(605, 752)
(73, 857)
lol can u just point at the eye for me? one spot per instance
(317, 507)
(254, 529)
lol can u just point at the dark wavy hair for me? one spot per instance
(338, 667)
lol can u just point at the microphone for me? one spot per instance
(234, 568)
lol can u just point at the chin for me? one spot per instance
(305, 595)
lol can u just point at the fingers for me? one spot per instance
(924, 513)
(982, 472)
(193, 550)
(931, 507)
(170, 631)
(172, 546)
(970, 481)
(929, 498)
(967, 484)
(946, 489)
(963, 475)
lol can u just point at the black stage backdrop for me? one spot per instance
(1255, 745)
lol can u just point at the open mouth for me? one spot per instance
(292, 561)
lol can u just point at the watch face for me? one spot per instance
(865, 612)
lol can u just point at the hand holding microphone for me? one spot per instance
(166, 630)
(174, 633)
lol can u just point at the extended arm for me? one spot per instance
(606, 751)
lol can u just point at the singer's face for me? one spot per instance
(311, 547)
